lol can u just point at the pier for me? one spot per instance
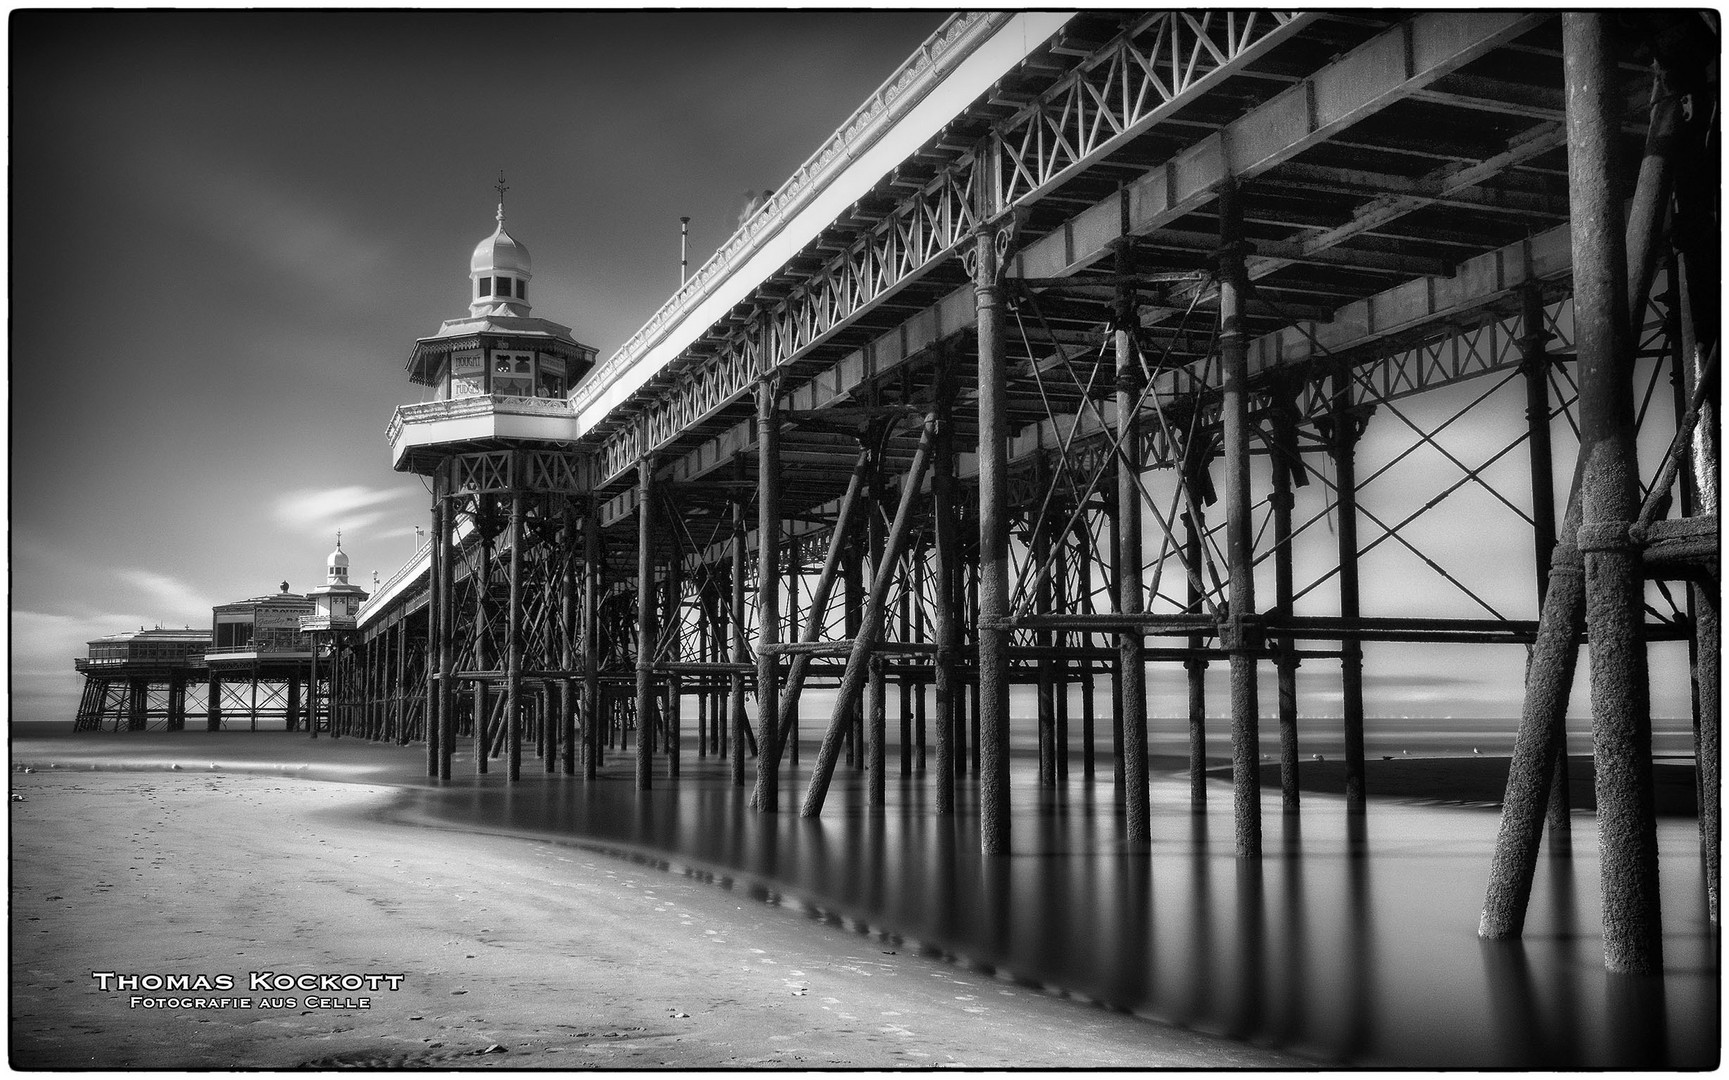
(1084, 357)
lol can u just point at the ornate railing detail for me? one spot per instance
(905, 88)
(474, 405)
(1113, 96)
(419, 561)
(1120, 90)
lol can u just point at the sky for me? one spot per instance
(229, 228)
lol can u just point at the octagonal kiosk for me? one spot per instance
(495, 442)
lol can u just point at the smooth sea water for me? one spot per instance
(1353, 941)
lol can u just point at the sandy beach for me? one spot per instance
(512, 952)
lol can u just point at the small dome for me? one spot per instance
(501, 251)
(336, 567)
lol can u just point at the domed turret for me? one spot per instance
(336, 567)
(500, 270)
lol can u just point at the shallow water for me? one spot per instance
(1353, 941)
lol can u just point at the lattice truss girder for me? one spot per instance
(1428, 453)
(1162, 62)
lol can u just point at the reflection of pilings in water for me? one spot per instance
(1251, 934)
(1294, 934)
(1201, 911)
(941, 873)
(1564, 915)
(996, 882)
(1133, 951)
(1638, 1021)
(1359, 936)
(1519, 1033)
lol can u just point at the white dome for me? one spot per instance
(501, 252)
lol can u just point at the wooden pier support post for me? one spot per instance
(1609, 495)
(768, 596)
(645, 622)
(945, 585)
(513, 640)
(1242, 636)
(993, 561)
(1131, 644)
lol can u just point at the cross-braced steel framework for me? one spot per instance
(1192, 345)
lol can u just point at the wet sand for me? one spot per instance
(513, 952)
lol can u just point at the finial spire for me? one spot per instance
(501, 188)
(339, 539)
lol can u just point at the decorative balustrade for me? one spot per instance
(474, 405)
(908, 85)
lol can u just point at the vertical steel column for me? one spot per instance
(993, 632)
(740, 478)
(1060, 600)
(674, 688)
(1195, 666)
(946, 549)
(1284, 423)
(768, 597)
(399, 732)
(311, 694)
(593, 569)
(852, 570)
(1114, 585)
(568, 616)
(513, 635)
(444, 632)
(789, 717)
(1242, 635)
(875, 691)
(645, 622)
(1344, 451)
(1084, 555)
(1131, 644)
(1614, 578)
(1046, 670)
(905, 682)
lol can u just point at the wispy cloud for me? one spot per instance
(324, 510)
(173, 598)
(278, 226)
